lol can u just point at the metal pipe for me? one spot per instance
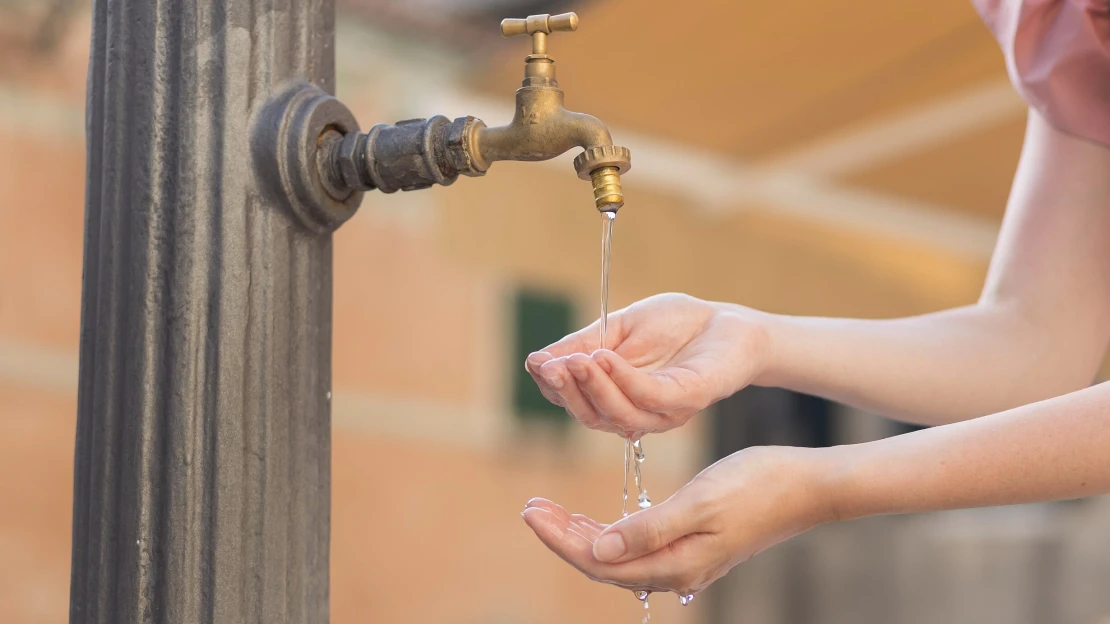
(202, 469)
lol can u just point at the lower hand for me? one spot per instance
(734, 509)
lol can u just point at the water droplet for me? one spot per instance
(627, 465)
(638, 452)
(643, 596)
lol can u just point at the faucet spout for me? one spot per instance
(541, 129)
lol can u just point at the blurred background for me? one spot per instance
(839, 158)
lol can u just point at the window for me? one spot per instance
(540, 319)
(758, 416)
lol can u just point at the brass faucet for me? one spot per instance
(542, 128)
(418, 153)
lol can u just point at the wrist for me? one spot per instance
(814, 478)
(756, 334)
(836, 475)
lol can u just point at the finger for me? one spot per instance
(550, 375)
(548, 391)
(581, 341)
(533, 363)
(664, 391)
(586, 340)
(547, 505)
(671, 569)
(535, 360)
(590, 528)
(652, 529)
(555, 533)
(608, 401)
(589, 524)
(577, 405)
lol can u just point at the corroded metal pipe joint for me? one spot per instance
(411, 155)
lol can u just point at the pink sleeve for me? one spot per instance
(1058, 56)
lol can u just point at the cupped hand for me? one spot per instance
(734, 509)
(665, 359)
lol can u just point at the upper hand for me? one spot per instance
(734, 509)
(665, 359)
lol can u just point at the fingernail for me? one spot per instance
(581, 373)
(537, 359)
(603, 362)
(609, 547)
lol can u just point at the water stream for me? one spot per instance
(633, 450)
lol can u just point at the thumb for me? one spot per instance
(647, 531)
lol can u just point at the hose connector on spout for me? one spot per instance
(603, 166)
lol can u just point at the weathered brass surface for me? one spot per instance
(542, 128)
(607, 189)
(603, 166)
(419, 153)
(539, 26)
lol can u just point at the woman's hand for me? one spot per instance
(734, 509)
(665, 359)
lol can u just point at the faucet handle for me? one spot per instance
(539, 26)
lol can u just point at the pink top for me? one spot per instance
(1058, 56)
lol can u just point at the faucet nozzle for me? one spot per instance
(607, 189)
(603, 166)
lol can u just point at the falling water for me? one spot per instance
(634, 454)
(607, 219)
(624, 492)
(642, 500)
(633, 451)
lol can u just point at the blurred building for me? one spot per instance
(851, 158)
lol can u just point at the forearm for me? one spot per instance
(932, 369)
(1052, 450)
(1039, 329)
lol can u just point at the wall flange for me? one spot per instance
(285, 142)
